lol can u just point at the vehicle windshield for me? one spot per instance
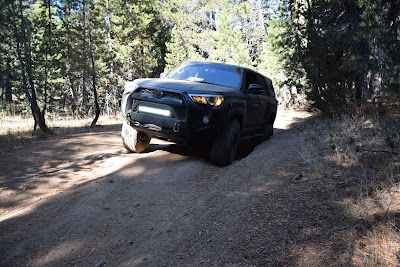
(218, 74)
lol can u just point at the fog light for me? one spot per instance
(206, 119)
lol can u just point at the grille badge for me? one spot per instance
(158, 94)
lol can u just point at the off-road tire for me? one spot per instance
(133, 140)
(268, 132)
(225, 145)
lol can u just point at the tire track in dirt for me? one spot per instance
(167, 207)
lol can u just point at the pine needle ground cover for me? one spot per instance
(356, 161)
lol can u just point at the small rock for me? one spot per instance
(300, 224)
(299, 177)
(367, 124)
(341, 185)
(100, 261)
(370, 249)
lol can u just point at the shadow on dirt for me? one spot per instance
(28, 165)
(172, 208)
(245, 147)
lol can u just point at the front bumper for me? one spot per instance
(189, 124)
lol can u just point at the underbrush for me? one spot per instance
(359, 156)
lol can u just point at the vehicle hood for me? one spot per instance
(179, 85)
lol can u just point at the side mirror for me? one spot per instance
(254, 89)
(163, 75)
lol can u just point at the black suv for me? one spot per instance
(199, 103)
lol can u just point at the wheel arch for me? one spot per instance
(272, 118)
(236, 114)
(126, 103)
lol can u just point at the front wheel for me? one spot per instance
(224, 147)
(268, 132)
(133, 140)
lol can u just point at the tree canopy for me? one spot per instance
(73, 56)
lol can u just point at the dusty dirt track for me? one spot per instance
(82, 200)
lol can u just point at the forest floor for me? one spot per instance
(320, 192)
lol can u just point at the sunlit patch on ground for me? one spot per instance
(23, 124)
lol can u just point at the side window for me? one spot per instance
(270, 88)
(261, 81)
(250, 79)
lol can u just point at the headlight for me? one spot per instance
(212, 100)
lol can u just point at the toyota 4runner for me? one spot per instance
(199, 103)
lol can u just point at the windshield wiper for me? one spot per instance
(208, 82)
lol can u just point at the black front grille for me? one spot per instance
(181, 113)
(164, 93)
(145, 91)
(173, 95)
(160, 99)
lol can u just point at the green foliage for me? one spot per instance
(224, 31)
(345, 49)
(283, 58)
(338, 53)
(9, 72)
(127, 40)
(43, 39)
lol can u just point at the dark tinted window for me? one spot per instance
(225, 75)
(250, 79)
(270, 88)
(261, 81)
(255, 78)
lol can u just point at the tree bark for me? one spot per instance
(72, 91)
(8, 87)
(48, 53)
(85, 99)
(26, 70)
(96, 102)
(358, 84)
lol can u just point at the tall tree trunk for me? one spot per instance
(85, 99)
(96, 102)
(2, 78)
(8, 87)
(112, 81)
(358, 84)
(27, 70)
(71, 92)
(48, 53)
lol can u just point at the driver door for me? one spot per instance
(254, 114)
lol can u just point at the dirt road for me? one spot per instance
(82, 200)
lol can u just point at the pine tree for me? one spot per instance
(26, 64)
(44, 47)
(205, 30)
(229, 44)
(8, 73)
